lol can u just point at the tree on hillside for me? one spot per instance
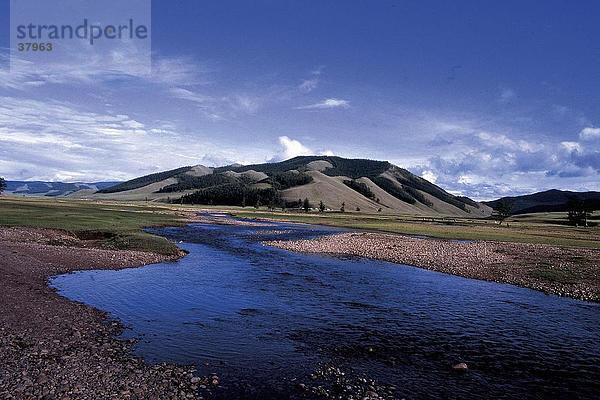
(343, 207)
(272, 204)
(577, 212)
(2, 185)
(360, 187)
(321, 206)
(502, 210)
(306, 205)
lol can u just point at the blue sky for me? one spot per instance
(485, 98)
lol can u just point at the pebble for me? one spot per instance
(460, 367)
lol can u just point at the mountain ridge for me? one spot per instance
(358, 184)
(553, 200)
(368, 185)
(53, 189)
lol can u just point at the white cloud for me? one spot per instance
(243, 103)
(467, 179)
(186, 94)
(429, 175)
(176, 77)
(571, 146)
(484, 161)
(177, 71)
(308, 85)
(327, 103)
(589, 133)
(219, 108)
(59, 141)
(292, 148)
(89, 68)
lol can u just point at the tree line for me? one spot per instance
(234, 194)
(579, 211)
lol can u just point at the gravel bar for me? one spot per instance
(563, 271)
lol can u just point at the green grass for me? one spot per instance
(110, 225)
(122, 223)
(556, 276)
(547, 229)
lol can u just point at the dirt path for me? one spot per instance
(572, 272)
(53, 348)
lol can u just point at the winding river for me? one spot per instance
(272, 324)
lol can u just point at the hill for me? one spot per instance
(548, 201)
(366, 185)
(52, 189)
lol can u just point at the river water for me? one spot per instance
(273, 324)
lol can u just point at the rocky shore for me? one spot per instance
(572, 272)
(53, 348)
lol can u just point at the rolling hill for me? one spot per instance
(548, 201)
(365, 185)
(52, 189)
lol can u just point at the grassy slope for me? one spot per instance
(112, 225)
(534, 229)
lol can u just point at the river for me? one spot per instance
(273, 324)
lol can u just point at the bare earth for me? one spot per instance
(54, 348)
(572, 272)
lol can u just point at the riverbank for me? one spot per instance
(563, 271)
(51, 347)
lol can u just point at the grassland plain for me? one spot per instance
(119, 224)
(548, 228)
(41, 237)
(104, 224)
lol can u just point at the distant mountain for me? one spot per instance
(144, 180)
(40, 188)
(366, 185)
(548, 201)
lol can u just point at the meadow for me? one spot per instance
(543, 228)
(108, 224)
(119, 224)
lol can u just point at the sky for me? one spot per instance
(484, 98)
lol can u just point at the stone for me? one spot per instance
(460, 367)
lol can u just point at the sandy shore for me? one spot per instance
(53, 348)
(572, 272)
